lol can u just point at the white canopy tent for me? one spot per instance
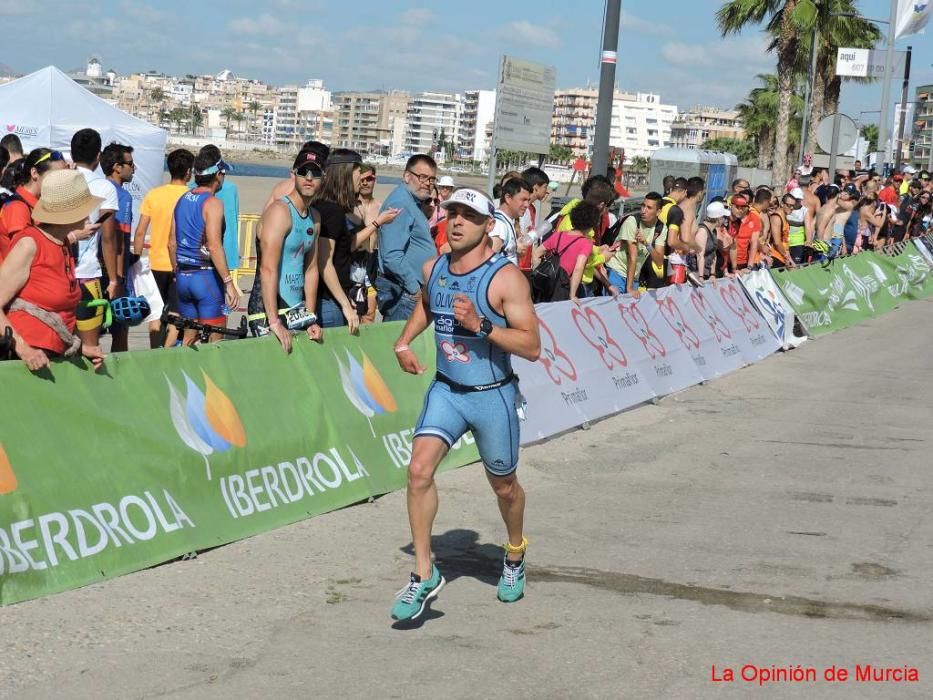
(47, 107)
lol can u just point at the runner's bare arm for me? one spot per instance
(109, 244)
(415, 326)
(172, 246)
(14, 273)
(139, 237)
(509, 291)
(213, 226)
(276, 223)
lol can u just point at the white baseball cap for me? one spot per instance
(796, 193)
(476, 200)
(716, 210)
(446, 181)
(909, 170)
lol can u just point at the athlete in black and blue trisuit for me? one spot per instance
(480, 305)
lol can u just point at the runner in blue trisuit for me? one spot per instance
(480, 305)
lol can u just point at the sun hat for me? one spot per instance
(476, 200)
(446, 181)
(65, 199)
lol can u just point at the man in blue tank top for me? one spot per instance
(285, 290)
(480, 305)
(196, 249)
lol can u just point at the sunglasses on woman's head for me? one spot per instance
(51, 155)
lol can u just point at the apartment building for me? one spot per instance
(574, 119)
(434, 117)
(476, 122)
(641, 124)
(697, 125)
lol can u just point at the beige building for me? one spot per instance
(574, 119)
(370, 122)
(694, 127)
(923, 128)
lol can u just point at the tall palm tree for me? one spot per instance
(759, 116)
(783, 23)
(834, 31)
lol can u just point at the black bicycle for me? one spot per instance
(205, 330)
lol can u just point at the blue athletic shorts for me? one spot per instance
(448, 414)
(200, 295)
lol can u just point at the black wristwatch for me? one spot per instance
(485, 328)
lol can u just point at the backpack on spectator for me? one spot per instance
(549, 281)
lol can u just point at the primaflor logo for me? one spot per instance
(365, 388)
(206, 421)
(8, 481)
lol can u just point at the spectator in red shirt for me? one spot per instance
(740, 233)
(888, 193)
(29, 172)
(38, 290)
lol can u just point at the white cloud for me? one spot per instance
(417, 15)
(637, 25)
(523, 32)
(263, 25)
(742, 54)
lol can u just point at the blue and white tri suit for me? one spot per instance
(475, 388)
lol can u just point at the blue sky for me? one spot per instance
(672, 48)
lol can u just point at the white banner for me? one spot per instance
(772, 305)
(606, 355)
(912, 17)
(922, 245)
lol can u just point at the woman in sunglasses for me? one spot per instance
(28, 174)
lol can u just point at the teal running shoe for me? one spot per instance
(413, 597)
(512, 581)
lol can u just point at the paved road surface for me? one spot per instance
(779, 516)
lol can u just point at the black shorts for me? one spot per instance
(165, 281)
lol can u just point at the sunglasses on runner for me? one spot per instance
(51, 155)
(309, 173)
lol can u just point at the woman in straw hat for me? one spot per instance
(38, 288)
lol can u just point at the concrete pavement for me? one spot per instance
(780, 516)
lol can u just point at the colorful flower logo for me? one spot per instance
(207, 421)
(675, 319)
(8, 481)
(713, 321)
(365, 388)
(638, 324)
(455, 352)
(738, 304)
(555, 361)
(593, 329)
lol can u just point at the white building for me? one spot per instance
(286, 115)
(313, 97)
(479, 113)
(641, 124)
(432, 117)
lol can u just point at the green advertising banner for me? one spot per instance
(170, 451)
(854, 288)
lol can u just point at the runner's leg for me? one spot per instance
(511, 497)
(426, 454)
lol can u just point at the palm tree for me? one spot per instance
(759, 116)
(254, 106)
(834, 30)
(783, 23)
(239, 117)
(228, 114)
(870, 134)
(196, 118)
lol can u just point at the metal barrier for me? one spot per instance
(246, 234)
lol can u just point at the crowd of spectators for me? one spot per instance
(330, 254)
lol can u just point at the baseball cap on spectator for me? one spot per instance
(446, 181)
(739, 201)
(924, 175)
(344, 156)
(908, 170)
(852, 191)
(476, 200)
(717, 210)
(897, 177)
(796, 193)
(309, 160)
